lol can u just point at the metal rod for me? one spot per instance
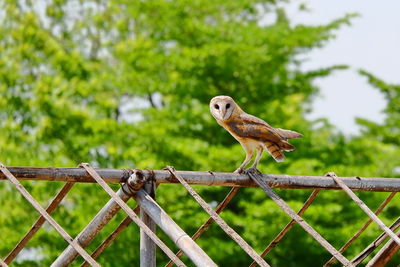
(285, 207)
(40, 221)
(147, 246)
(207, 178)
(133, 216)
(365, 209)
(359, 232)
(379, 240)
(289, 226)
(48, 218)
(221, 206)
(227, 229)
(385, 254)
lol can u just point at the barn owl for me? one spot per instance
(252, 133)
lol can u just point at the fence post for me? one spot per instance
(147, 246)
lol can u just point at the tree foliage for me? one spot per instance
(126, 84)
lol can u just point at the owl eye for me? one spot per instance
(216, 106)
(228, 106)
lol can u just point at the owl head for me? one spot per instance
(222, 107)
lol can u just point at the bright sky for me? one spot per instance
(372, 42)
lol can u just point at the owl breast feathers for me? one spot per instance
(253, 133)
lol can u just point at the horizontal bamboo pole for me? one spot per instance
(208, 178)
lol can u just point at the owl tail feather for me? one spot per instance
(275, 151)
(288, 134)
(286, 146)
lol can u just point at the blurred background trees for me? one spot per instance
(126, 84)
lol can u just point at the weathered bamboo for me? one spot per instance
(120, 228)
(76, 246)
(289, 226)
(224, 226)
(385, 254)
(147, 246)
(379, 240)
(2, 263)
(221, 206)
(129, 211)
(362, 229)
(177, 235)
(36, 226)
(125, 223)
(365, 208)
(207, 178)
(92, 229)
(285, 207)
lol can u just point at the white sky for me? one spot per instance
(372, 42)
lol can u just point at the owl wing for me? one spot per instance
(248, 126)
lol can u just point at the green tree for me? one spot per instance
(126, 84)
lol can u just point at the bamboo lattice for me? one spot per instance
(136, 183)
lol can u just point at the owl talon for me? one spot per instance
(239, 171)
(253, 169)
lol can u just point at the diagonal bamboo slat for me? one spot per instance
(2, 263)
(238, 239)
(48, 218)
(36, 226)
(376, 243)
(285, 207)
(289, 226)
(385, 254)
(221, 206)
(362, 229)
(365, 208)
(124, 224)
(131, 214)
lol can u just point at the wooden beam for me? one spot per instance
(207, 178)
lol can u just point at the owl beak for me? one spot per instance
(223, 113)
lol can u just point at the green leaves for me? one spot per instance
(126, 84)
